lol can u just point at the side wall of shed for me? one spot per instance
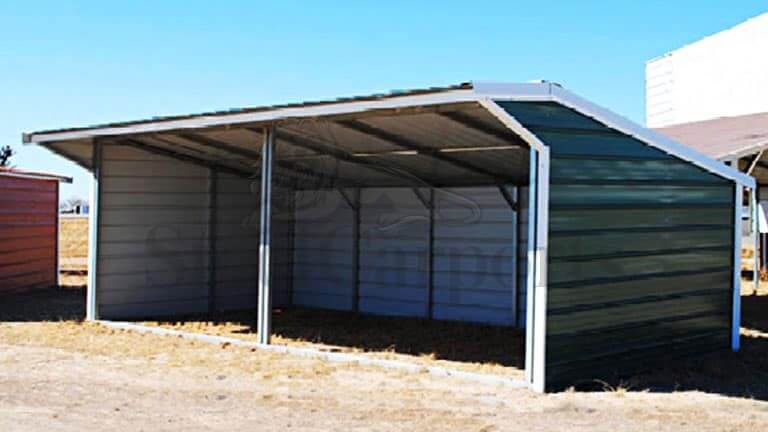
(153, 245)
(156, 249)
(28, 233)
(640, 250)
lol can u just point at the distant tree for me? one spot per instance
(5, 154)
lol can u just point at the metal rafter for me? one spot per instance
(183, 157)
(251, 154)
(406, 143)
(473, 123)
(321, 148)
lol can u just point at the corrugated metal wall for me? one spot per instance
(237, 242)
(323, 274)
(393, 252)
(640, 250)
(153, 249)
(475, 256)
(474, 263)
(154, 245)
(28, 233)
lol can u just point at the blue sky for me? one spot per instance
(82, 63)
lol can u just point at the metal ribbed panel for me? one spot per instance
(474, 263)
(640, 250)
(237, 242)
(28, 230)
(522, 256)
(393, 252)
(152, 247)
(474, 267)
(323, 274)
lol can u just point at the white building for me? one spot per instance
(723, 75)
(712, 95)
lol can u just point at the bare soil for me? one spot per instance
(75, 376)
(58, 373)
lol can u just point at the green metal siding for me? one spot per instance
(640, 250)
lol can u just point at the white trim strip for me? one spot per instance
(91, 302)
(510, 122)
(530, 282)
(540, 303)
(324, 355)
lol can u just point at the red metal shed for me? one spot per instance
(29, 227)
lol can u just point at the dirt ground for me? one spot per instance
(57, 373)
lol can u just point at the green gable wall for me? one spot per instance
(640, 250)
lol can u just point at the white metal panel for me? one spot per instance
(153, 254)
(474, 264)
(721, 75)
(393, 252)
(237, 240)
(322, 270)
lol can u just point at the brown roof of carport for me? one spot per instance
(725, 137)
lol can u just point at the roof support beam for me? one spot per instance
(511, 200)
(321, 178)
(183, 157)
(403, 142)
(477, 125)
(78, 161)
(384, 166)
(250, 154)
(754, 161)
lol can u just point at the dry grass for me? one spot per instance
(461, 346)
(73, 243)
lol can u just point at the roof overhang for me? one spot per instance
(478, 94)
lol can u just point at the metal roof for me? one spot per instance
(245, 110)
(725, 137)
(446, 135)
(12, 172)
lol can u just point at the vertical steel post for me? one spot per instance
(736, 313)
(430, 300)
(356, 250)
(264, 313)
(515, 237)
(92, 305)
(213, 178)
(540, 303)
(530, 284)
(755, 239)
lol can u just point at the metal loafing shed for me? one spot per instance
(512, 204)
